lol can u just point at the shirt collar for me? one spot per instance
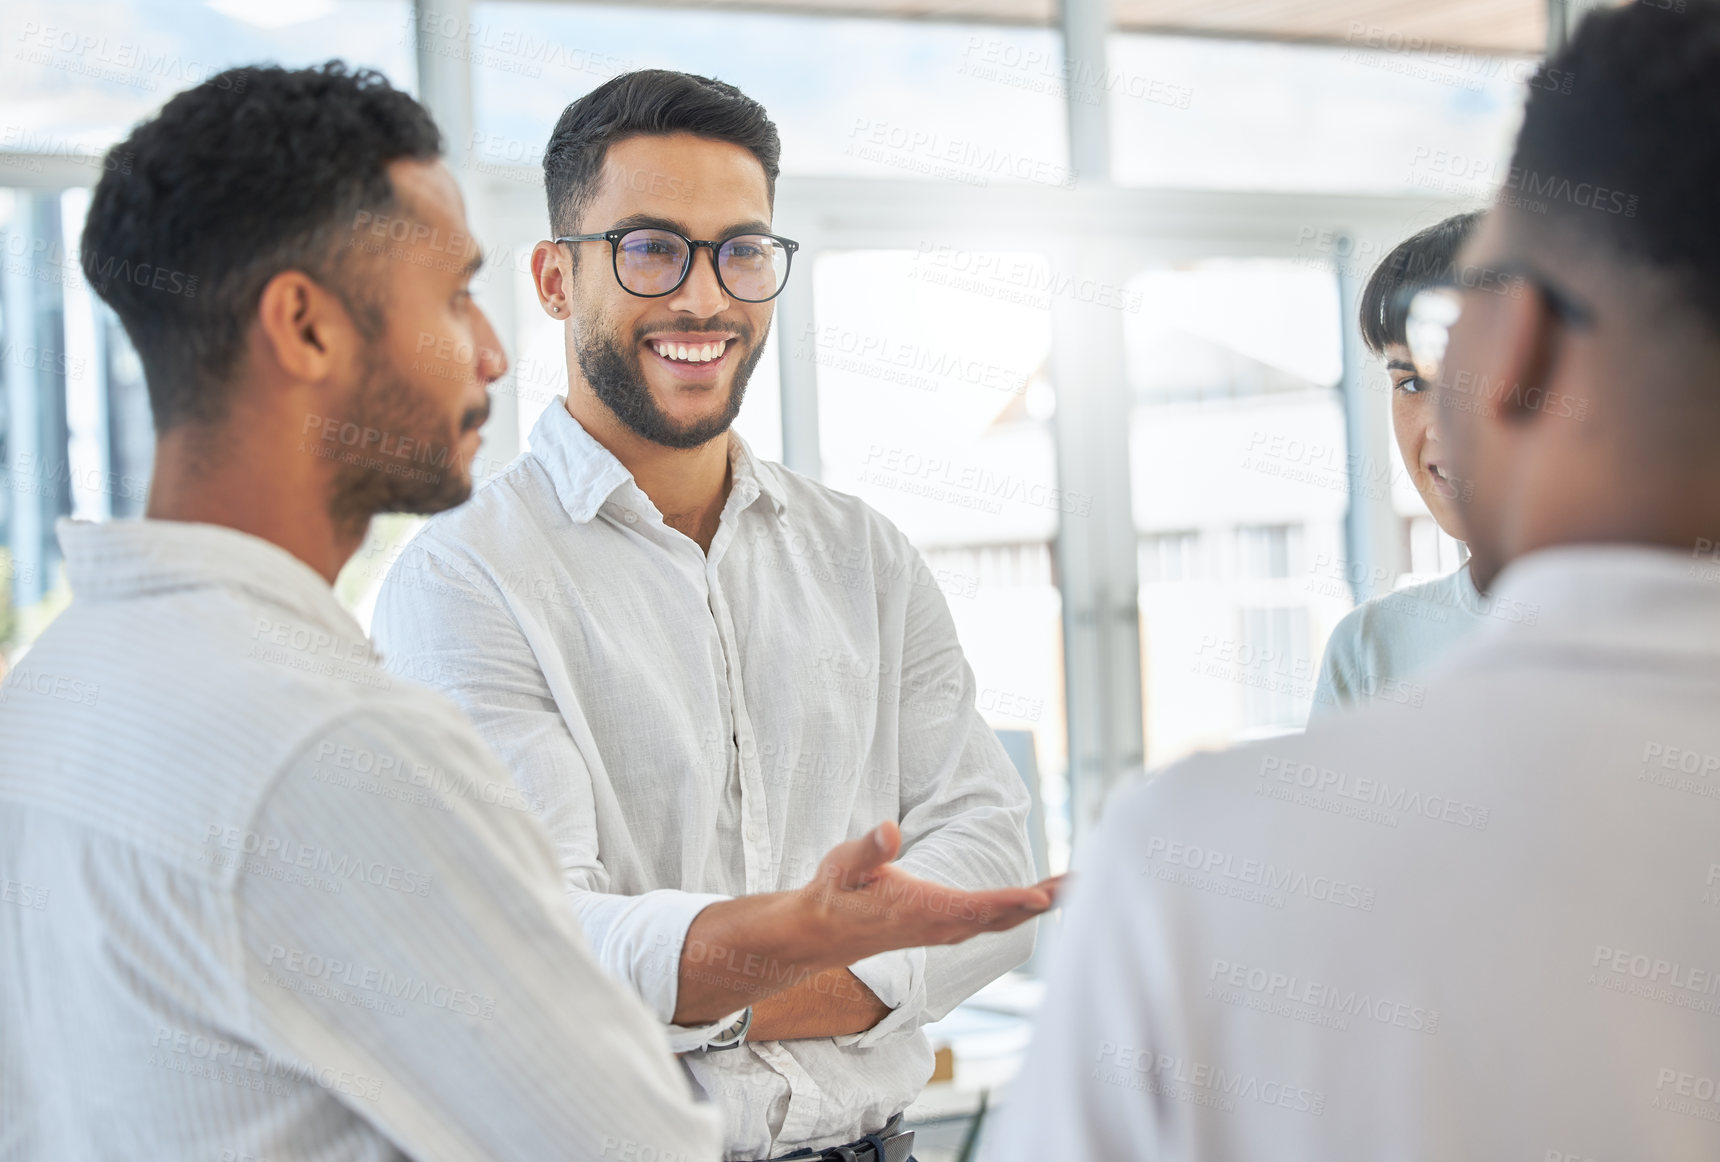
(586, 474)
(121, 559)
(1625, 596)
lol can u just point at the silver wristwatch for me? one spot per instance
(733, 1035)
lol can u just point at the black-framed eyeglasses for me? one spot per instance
(651, 261)
(1431, 312)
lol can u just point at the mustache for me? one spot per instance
(742, 331)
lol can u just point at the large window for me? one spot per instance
(869, 98)
(1238, 452)
(934, 404)
(929, 366)
(79, 75)
(1230, 114)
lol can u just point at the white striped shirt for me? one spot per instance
(261, 901)
(701, 725)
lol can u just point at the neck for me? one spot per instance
(240, 475)
(689, 486)
(1632, 503)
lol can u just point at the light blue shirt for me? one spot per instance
(1382, 647)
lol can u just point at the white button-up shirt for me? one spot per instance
(706, 725)
(260, 900)
(1485, 927)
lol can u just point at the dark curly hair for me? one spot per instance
(252, 172)
(647, 101)
(1630, 156)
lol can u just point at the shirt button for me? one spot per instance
(630, 517)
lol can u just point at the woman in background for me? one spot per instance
(1384, 641)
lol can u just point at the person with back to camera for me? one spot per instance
(1482, 927)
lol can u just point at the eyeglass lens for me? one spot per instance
(751, 267)
(1432, 314)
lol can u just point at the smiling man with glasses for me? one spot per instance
(710, 671)
(1484, 926)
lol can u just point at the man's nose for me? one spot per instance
(702, 294)
(492, 361)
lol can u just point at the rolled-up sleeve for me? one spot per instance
(407, 945)
(451, 628)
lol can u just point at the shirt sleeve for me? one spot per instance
(964, 813)
(453, 630)
(404, 940)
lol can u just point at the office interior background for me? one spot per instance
(1074, 306)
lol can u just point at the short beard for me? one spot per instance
(426, 476)
(618, 380)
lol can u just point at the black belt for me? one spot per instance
(890, 1144)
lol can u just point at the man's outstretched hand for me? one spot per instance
(867, 904)
(858, 903)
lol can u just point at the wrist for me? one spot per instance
(732, 1035)
(797, 929)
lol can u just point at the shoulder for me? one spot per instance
(1344, 646)
(832, 528)
(811, 502)
(407, 746)
(469, 552)
(513, 507)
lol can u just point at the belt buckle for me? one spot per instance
(897, 1147)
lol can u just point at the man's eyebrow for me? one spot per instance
(1400, 365)
(473, 264)
(652, 221)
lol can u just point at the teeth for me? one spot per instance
(699, 353)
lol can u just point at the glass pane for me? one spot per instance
(78, 76)
(880, 98)
(75, 432)
(934, 402)
(1231, 114)
(1238, 466)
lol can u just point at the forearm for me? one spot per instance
(738, 952)
(833, 1003)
